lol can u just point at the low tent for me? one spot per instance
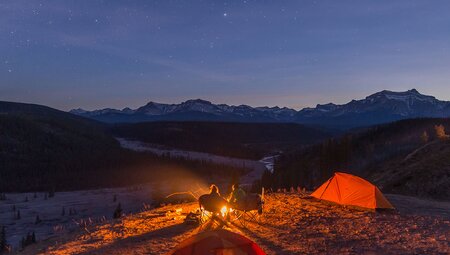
(217, 242)
(347, 189)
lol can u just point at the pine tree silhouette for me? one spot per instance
(38, 220)
(51, 193)
(118, 212)
(29, 239)
(3, 243)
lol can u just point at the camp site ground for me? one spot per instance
(292, 223)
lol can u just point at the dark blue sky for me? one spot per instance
(95, 54)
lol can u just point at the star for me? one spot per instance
(225, 14)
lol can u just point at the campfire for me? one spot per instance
(224, 211)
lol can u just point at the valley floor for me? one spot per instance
(257, 167)
(291, 224)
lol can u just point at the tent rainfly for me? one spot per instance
(217, 242)
(347, 189)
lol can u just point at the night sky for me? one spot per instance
(96, 54)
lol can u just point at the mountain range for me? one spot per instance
(382, 107)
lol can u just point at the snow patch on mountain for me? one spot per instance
(380, 107)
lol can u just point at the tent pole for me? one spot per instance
(329, 181)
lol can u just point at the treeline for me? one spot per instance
(113, 170)
(42, 149)
(39, 151)
(366, 153)
(240, 140)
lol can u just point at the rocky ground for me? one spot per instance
(291, 224)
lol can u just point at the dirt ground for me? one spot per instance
(291, 224)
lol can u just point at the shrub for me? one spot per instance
(424, 137)
(440, 132)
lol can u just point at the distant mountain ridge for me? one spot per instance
(381, 107)
(191, 110)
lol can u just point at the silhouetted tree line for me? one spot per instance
(115, 170)
(54, 154)
(29, 239)
(241, 140)
(4, 246)
(362, 152)
(309, 166)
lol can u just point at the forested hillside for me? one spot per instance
(242, 140)
(409, 157)
(46, 149)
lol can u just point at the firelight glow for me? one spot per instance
(224, 211)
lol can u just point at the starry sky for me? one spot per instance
(95, 54)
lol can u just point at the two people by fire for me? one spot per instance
(214, 202)
(236, 197)
(241, 202)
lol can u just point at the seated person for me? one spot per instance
(237, 196)
(214, 201)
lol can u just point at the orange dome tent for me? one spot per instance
(217, 242)
(347, 189)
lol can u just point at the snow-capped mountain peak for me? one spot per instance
(78, 111)
(380, 107)
(197, 105)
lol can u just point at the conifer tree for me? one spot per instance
(118, 212)
(38, 220)
(424, 137)
(3, 243)
(29, 239)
